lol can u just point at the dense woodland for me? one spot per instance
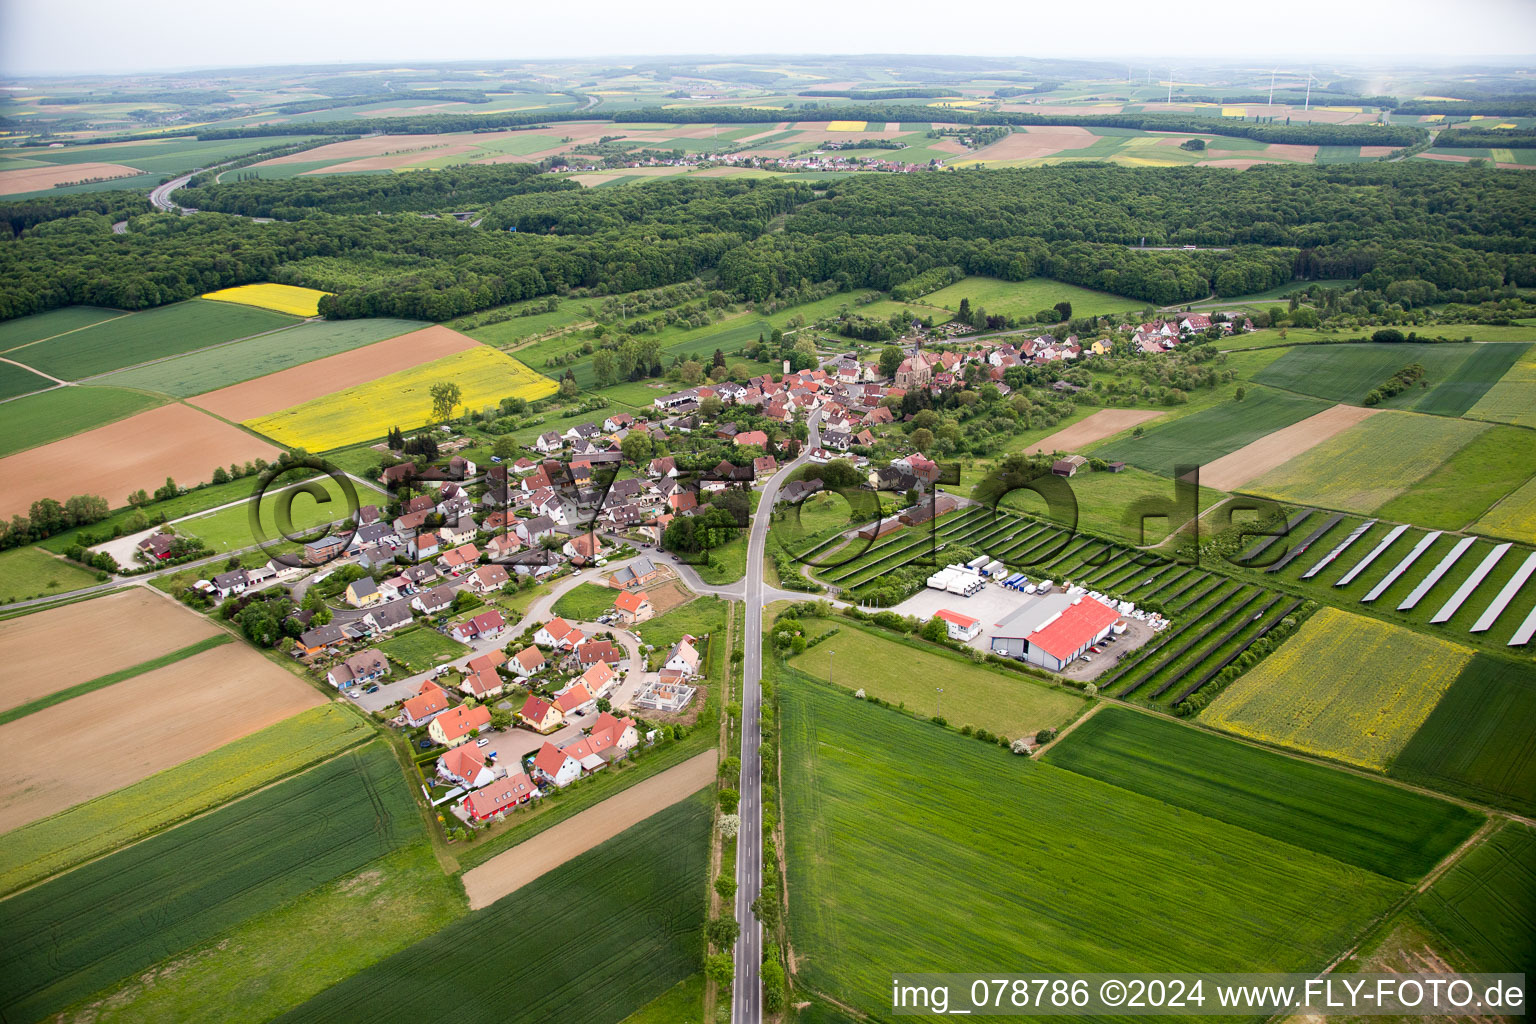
(1452, 227)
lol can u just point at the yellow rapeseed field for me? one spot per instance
(366, 411)
(1345, 686)
(285, 298)
(846, 126)
(1234, 111)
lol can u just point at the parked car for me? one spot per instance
(354, 692)
(482, 742)
(372, 689)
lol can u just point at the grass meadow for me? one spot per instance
(1018, 865)
(420, 648)
(152, 334)
(551, 960)
(1513, 398)
(1114, 505)
(586, 602)
(44, 848)
(229, 529)
(31, 572)
(484, 375)
(198, 372)
(1343, 687)
(905, 672)
(34, 420)
(1206, 436)
(1384, 829)
(201, 879)
(1012, 298)
(1457, 375)
(1514, 517)
(1478, 743)
(1458, 492)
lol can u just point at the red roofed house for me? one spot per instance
(633, 607)
(459, 559)
(598, 678)
(575, 699)
(1053, 630)
(465, 766)
(454, 726)
(540, 716)
(961, 627)
(555, 766)
(527, 661)
(486, 625)
(596, 651)
(499, 797)
(554, 633)
(481, 683)
(757, 437)
(429, 702)
(620, 732)
(585, 546)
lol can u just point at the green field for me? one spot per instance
(552, 961)
(1478, 743)
(700, 616)
(585, 602)
(1513, 398)
(31, 572)
(197, 372)
(28, 329)
(274, 961)
(1461, 489)
(201, 879)
(1457, 375)
(683, 1003)
(1384, 829)
(1484, 907)
(17, 380)
(1366, 466)
(1514, 517)
(1021, 866)
(421, 648)
(37, 419)
(44, 848)
(1112, 504)
(906, 673)
(1012, 298)
(1206, 436)
(229, 529)
(152, 334)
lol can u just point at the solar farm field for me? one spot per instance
(647, 888)
(1484, 907)
(1390, 831)
(1205, 436)
(1369, 464)
(1012, 298)
(403, 399)
(33, 420)
(281, 298)
(1004, 703)
(198, 372)
(879, 834)
(140, 337)
(1477, 743)
(1457, 375)
(201, 878)
(1343, 687)
(96, 827)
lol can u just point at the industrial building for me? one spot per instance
(1054, 629)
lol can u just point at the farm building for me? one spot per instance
(1053, 630)
(1069, 465)
(961, 627)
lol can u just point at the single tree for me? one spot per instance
(446, 395)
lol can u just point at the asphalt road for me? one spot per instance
(747, 993)
(160, 197)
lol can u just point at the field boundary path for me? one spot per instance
(747, 990)
(514, 868)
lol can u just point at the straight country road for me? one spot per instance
(747, 993)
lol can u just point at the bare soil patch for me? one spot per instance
(1102, 424)
(1284, 151)
(287, 388)
(394, 160)
(1037, 142)
(34, 179)
(1452, 157)
(50, 651)
(507, 872)
(1253, 460)
(114, 461)
(666, 596)
(82, 748)
(378, 145)
(1375, 151)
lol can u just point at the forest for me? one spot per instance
(1450, 226)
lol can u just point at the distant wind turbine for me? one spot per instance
(1170, 85)
(1310, 80)
(1272, 85)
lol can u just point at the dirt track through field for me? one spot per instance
(174, 441)
(34, 179)
(102, 741)
(1255, 459)
(50, 651)
(507, 872)
(1102, 424)
(298, 384)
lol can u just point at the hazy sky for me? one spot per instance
(110, 36)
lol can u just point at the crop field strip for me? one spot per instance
(1237, 652)
(1246, 616)
(200, 878)
(90, 685)
(1395, 832)
(646, 886)
(1484, 907)
(877, 834)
